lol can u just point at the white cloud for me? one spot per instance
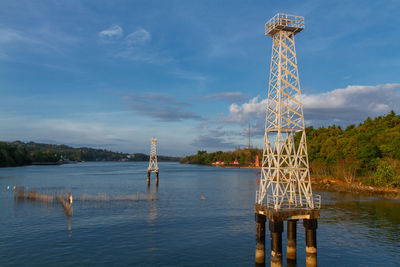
(208, 142)
(353, 103)
(224, 96)
(9, 35)
(114, 31)
(246, 111)
(340, 106)
(117, 131)
(135, 46)
(139, 37)
(190, 75)
(69, 131)
(44, 38)
(160, 106)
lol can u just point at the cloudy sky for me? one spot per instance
(113, 74)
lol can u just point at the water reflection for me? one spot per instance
(69, 222)
(381, 217)
(151, 197)
(380, 212)
(123, 226)
(291, 263)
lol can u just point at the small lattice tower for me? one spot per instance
(153, 167)
(285, 187)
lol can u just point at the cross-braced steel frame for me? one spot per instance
(285, 177)
(153, 156)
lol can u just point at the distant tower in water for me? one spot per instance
(285, 187)
(153, 161)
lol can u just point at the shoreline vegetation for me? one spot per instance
(20, 154)
(329, 184)
(363, 158)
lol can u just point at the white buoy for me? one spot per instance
(8, 187)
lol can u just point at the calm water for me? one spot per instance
(118, 220)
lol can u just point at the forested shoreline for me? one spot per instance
(19, 154)
(368, 153)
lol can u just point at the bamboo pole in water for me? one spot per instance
(67, 205)
(66, 202)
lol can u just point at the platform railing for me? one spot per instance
(281, 21)
(296, 202)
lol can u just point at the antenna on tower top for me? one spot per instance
(249, 145)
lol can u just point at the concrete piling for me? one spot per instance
(311, 241)
(156, 178)
(260, 238)
(291, 242)
(148, 177)
(276, 229)
(276, 218)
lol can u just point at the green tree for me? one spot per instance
(385, 175)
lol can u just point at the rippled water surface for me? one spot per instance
(196, 216)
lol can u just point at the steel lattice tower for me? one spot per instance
(153, 167)
(285, 176)
(153, 156)
(285, 192)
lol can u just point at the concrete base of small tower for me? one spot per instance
(148, 177)
(157, 172)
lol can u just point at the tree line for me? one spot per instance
(19, 153)
(367, 153)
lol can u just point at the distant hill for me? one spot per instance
(19, 153)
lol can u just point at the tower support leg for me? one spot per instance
(157, 178)
(311, 241)
(276, 229)
(260, 238)
(148, 177)
(291, 241)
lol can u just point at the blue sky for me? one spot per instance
(113, 74)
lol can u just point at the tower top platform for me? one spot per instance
(284, 22)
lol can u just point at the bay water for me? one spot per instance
(196, 216)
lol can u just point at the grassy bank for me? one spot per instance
(334, 185)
